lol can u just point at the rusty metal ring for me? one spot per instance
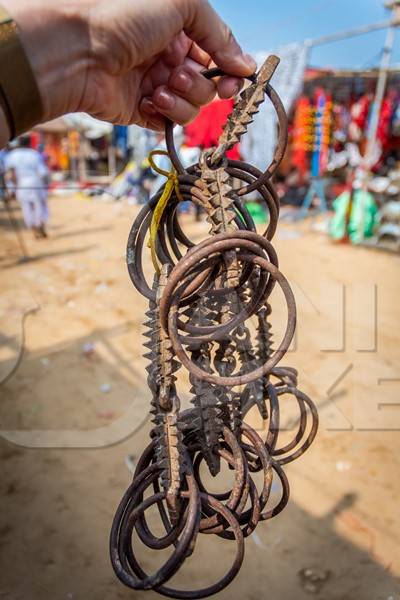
(249, 241)
(302, 399)
(250, 518)
(241, 379)
(233, 571)
(277, 468)
(279, 152)
(286, 376)
(142, 529)
(273, 430)
(134, 255)
(172, 532)
(249, 489)
(193, 192)
(122, 556)
(266, 462)
(146, 473)
(137, 238)
(278, 508)
(169, 125)
(236, 494)
(273, 416)
(212, 333)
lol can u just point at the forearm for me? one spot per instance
(55, 38)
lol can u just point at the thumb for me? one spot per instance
(205, 27)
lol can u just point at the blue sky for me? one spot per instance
(267, 24)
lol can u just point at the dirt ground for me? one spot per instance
(68, 418)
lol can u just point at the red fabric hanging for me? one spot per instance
(385, 119)
(205, 130)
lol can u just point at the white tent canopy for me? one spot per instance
(92, 128)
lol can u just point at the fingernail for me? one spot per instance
(148, 106)
(182, 82)
(164, 100)
(250, 62)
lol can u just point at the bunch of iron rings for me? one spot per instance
(201, 324)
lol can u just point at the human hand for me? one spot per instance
(129, 61)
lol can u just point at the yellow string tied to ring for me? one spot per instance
(171, 185)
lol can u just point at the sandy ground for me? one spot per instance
(67, 418)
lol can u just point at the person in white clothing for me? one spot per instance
(27, 174)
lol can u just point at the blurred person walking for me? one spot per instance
(27, 175)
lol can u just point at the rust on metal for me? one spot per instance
(202, 309)
(246, 108)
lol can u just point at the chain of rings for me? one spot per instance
(198, 319)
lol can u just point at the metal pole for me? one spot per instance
(343, 35)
